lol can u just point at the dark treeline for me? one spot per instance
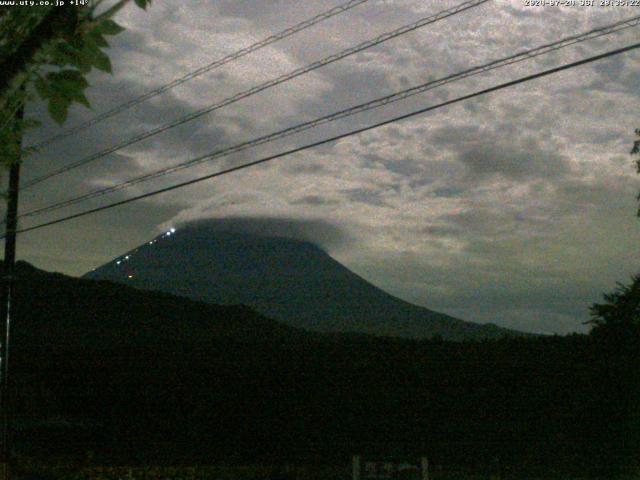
(231, 386)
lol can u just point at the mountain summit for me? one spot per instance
(289, 280)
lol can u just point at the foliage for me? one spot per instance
(621, 310)
(621, 307)
(636, 151)
(52, 49)
(147, 378)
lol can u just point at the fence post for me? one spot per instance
(424, 464)
(356, 467)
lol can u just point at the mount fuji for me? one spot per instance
(286, 279)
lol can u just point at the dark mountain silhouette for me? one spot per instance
(147, 377)
(292, 281)
(52, 309)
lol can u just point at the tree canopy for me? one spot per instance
(621, 310)
(621, 307)
(636, 151)
(47, 52)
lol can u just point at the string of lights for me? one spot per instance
(334, 138)
(377, 103)
(262, 87)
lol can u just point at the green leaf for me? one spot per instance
(66, 54)
(86, 62)
(78, 42)
(101, 61)
(41, 87)
(96, 38)
(143, 3)
(71, 79)
(68, 85)
(81, 98)
(58, 109)
(109, 27)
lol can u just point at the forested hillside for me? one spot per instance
(170, 380)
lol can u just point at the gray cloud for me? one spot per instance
(313, 200)
(516, 208)
(517, 160)
(319, 232)
(371, 197)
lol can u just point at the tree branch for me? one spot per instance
(57, 22)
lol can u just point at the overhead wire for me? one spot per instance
(202, 70)
(363, 107)
(261, 87)
(334, 138)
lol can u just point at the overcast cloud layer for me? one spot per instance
(515, 208)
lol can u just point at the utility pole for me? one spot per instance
(6, 305)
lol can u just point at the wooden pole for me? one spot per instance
(6, 306)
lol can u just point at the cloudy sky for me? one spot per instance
(516, 208)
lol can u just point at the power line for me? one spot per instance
(207, 68)
(334, 138)
(353, 110)
(263, 86)
(379, 102)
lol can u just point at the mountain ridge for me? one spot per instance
(56, 309)
(146, 377)
(290, 280)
